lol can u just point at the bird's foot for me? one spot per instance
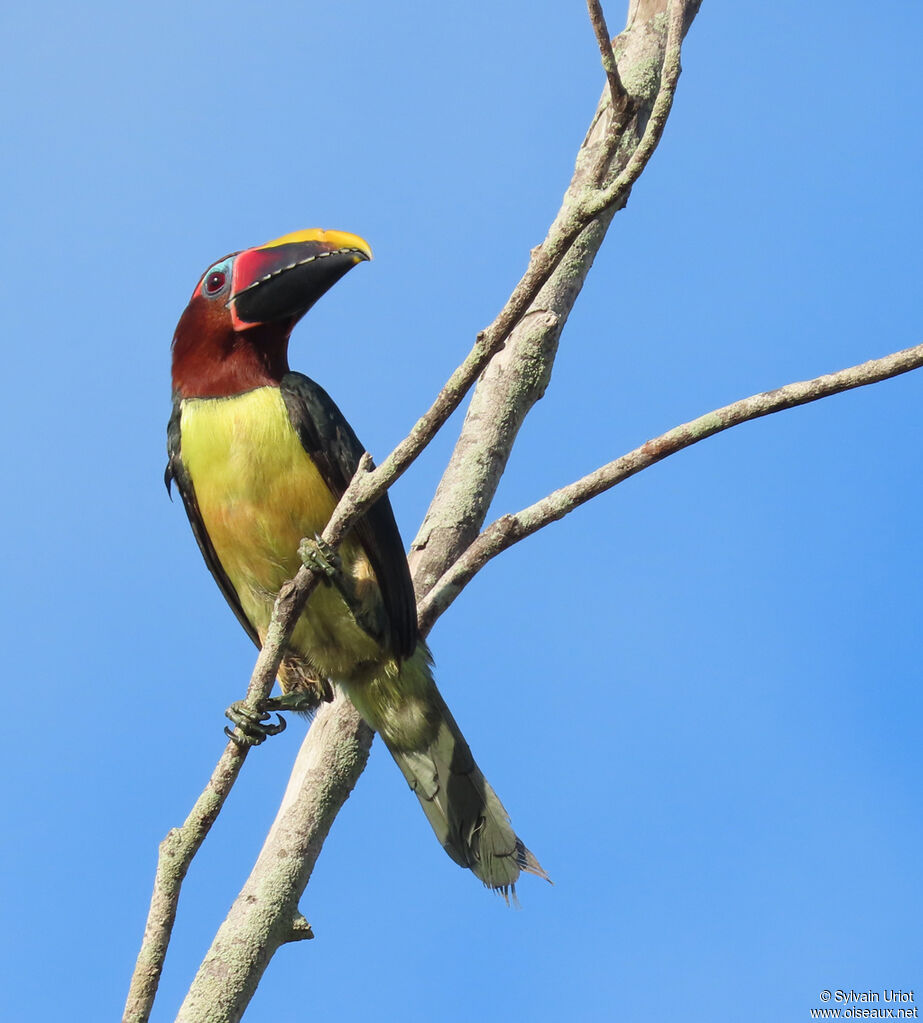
(252, 726)
(302, 687)
(317, 555)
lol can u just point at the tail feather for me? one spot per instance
(463, 810)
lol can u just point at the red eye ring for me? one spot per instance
(215, 281)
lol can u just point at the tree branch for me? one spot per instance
(618, 97)
(510, 529)
(537, 310)
(175, 854)
(617, 192)
(265, 915)
(178, 849)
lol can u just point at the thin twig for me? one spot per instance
(510, 529)
(265, 914)
(617, 92)
(531, 322)
(180, 846)
(546, 257)
(174, 856)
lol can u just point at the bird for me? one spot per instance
(260, 455)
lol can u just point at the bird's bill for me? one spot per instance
(282, 279)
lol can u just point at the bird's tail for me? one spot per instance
(406, 709)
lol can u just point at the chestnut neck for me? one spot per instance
(213, 360)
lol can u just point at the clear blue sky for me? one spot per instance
(699, 697)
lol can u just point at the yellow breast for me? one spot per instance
(259, 493)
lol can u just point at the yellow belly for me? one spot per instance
(259, 493)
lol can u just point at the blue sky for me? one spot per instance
(698, 697)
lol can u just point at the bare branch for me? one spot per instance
(531, 322)
(265, 914)
(509, 529)
(179, 848)
(174, 856)
(617, 94)
(573, 218)
(615, 193)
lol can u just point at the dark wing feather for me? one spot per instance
(335, 450)
(176, 473)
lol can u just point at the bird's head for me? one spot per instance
(233, 335)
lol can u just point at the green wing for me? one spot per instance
(335, 450)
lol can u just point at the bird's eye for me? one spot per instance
(215, 281)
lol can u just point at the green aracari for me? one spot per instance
(260, 456)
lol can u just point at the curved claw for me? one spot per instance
(275, 729)
(243, 740)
